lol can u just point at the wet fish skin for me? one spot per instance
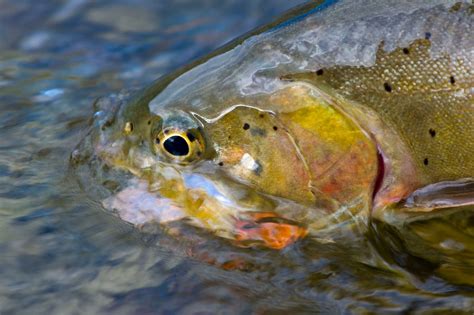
(427, 100)
(387, 76)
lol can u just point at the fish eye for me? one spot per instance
(181, 146)
(176, 145)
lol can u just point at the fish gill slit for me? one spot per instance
(381, 170)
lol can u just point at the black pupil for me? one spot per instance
(176, 145)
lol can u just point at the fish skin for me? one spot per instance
(341, 35)
(424, 95)
(354, 61)
(428, 101)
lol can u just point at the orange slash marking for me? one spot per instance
(259, 228)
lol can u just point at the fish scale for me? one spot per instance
(422, 98)
(323, 117)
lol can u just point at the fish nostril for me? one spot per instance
(105, 111)
(105, 124)
(103, 119)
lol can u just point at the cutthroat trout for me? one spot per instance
(338, 110)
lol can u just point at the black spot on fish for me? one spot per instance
(275, 128)
(320, 72)
(427, 35)
(387, 87)
(452, 80)
(157, 140)
(246, 126)
(425, 161)
(261, 115)
(406, 51)
(166, 131)
(190, 136)
(221, 163)
(149, 122)
(229, 137)
(199, 153)
(432, 133)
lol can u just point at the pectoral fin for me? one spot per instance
(449, 194)
(431, 201)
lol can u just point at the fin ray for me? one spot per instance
(441, 195)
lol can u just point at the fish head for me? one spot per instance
(293, 153)
(158, 168)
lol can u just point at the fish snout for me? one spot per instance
(100, 128)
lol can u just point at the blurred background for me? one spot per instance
(132, 41)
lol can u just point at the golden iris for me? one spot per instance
(181, 146)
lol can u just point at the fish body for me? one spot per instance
(341, 109)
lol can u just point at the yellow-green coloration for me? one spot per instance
(428, 101)
(340, 156)
(258, 155)
(328, 117)
(308, 151)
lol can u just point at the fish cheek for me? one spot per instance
(254, 148)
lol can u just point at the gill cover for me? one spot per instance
(309, 151)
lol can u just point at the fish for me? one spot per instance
(338, 111)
